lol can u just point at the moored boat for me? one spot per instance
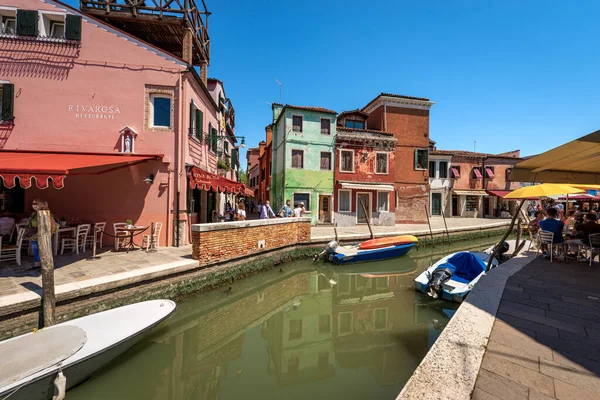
(371, 250)
(74, 348)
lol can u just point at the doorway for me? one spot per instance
(486, 207)
(454, 205)
(324, 208)
(436, 204)
(363, 198)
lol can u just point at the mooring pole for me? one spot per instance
(429, 223)
(446, 226)
(44, 237)
(362, 203)
(510, 228)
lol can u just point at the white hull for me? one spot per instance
(109, 334)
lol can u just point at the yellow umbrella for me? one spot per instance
(543, 190)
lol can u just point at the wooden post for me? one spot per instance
(45, 247)
(429, 223)
(446, 226)
(362, 203)
(510, 228)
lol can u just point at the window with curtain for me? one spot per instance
(346, 161)
(382, 163)
(326, 161)
(325, 126)
(383, 201)
(297, 123)
(344, 201)
(443, 169)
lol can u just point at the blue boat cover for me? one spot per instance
(464, 266)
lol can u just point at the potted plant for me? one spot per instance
(129, 223)
(63, 221)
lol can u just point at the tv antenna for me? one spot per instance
(280, 87)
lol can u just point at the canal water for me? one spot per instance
(302, 330)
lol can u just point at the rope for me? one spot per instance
(128, 234)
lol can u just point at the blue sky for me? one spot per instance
(506, 74)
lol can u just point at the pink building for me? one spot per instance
(105, 126)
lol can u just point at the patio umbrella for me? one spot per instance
(543, 190)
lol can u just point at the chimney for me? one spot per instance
(276, 107)
(204, 73)
(187, 51)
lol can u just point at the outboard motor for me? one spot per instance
(436, 280)
(503, 249)
(329, 248)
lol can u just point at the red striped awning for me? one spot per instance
(477, 173)
(204, 180)
(489, 172)
(455, 173)
(499, 193)
(45, 168)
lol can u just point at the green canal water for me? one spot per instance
(302, 330)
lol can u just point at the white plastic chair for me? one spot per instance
(146, 242)
(594, 246)
(78, 242)
(12, 252)
(99, 228)
(547, 238)
(119, 235)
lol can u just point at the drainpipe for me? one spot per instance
(180, 160)
(384, 117)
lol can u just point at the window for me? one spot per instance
(344, 200)
(302, 198)
(161, 110)
(489, 172)
(57, 29)
(262, 175)
(420, 159)
(226, 147)
(295, 329)
(297, 158)
(443, 169)
(325, 126)
(355, 124)
(326, 161)
(270, 168)
(382, 163)
(199, 124)
(27, 22)
(213, 139)
(324, 324)
(455, 171)
(297, 123)
(472, 203)
(345, 323)
(432, 169)
(476, 174)
(8, 24)
(346, 161)
(383, 201)
(507, 173)
(7, 91)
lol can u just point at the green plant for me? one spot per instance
(223, 164)
(129, 222)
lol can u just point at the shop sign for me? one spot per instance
(82, 111)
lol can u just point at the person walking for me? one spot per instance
(266, 211)
(297, 210)
(241, 212)
(32, 229)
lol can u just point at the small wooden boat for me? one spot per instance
(375, 251)
(74, 349)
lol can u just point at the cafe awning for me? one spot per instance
(46, 167)
(368, 186)
(575, 162)
(204, 180)
(499, 193)
(473, 192)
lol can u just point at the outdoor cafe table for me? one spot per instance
(128, 242)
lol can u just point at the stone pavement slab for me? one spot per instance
(547, 313)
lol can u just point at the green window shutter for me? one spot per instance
(234, 158)
(425, 157)
(73, 27)
(416, 158)
(192, 110)
(8, 97)
(213, 139)
(199, 122)
(27, 22)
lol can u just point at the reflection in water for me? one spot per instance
(314, 331)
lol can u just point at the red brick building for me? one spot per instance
(265, 165)
(364, 172)
(408, 119)
(252, 169)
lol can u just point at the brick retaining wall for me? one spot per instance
(223, 241)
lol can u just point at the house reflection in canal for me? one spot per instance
(304, 333)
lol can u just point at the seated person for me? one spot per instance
(551, 224)
(570, 221)
(584, 230)
(6, 224)
(534, 224)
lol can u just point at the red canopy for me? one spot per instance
(499, 193)
(455, 173)
(42, 166)
(477, 173)
(204, 180)
(489, 172)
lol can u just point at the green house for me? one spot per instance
(303, 159)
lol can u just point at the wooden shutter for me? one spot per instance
(192, 110)
(27, 22)
(73, 27)
(416, 158)
(8, 97)
(234, 158)
(213, 139)
(199, 124)
(425, 157)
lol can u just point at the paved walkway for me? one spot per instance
(545, 342)
(320, 233)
